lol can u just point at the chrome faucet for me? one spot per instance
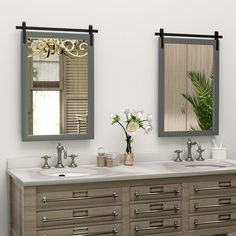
(189, 146)
(60, 148)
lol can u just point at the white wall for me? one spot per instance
(125, 69)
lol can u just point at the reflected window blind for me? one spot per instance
(76, 94)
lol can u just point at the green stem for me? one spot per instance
(128, 121)
(128, 139)
(126, 134)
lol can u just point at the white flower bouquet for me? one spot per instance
(134, 121)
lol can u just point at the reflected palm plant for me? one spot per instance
(201, 100)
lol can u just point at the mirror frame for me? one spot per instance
(25, 87)
(161, 81)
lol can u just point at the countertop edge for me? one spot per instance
(76, 180)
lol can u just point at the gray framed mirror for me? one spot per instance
(188, 87)
(57, 86)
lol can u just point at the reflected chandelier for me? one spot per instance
(50, 46)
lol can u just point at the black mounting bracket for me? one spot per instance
(162, 37)
(24, 28)
(217, 39)
(162, 34)
(24, 31)
(91, 34)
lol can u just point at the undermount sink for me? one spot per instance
(208, 165)
(69, 172)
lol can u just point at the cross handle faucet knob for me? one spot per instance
(200, 151)
(178, 158)
(73, 164)
(46, 165)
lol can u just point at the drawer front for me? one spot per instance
(79, 197)
(212, 187)
(155, 209)
(157, 227)
(212, 221)
(99, 230)
(75, 216)
(213, 204)
(155, 192)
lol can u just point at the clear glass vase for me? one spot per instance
(128, 159)
(128, 156)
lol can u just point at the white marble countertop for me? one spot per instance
(140, 170)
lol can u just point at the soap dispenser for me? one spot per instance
(101, 157)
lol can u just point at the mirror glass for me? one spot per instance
(57, 87)
(188, 87)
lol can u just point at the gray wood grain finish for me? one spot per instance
(183, 221)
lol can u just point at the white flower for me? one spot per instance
(112, 116)
(149, 118)
(137, 113)
(141, 111)
(134, 113)
(148, 129)
(132, 127)
(127, 111)
(132, 133)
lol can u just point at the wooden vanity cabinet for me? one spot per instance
(212, 205)
(155, 209)
(187, 206)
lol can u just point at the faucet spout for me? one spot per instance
(60, 149)
(189, 147)
(65, 153)
(198, 145)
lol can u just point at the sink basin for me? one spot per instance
(69, 172)
(208, 165)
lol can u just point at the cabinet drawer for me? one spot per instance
(157, 227)
(155, 192)
(212, 221)
(213, 204)
(212, 187)
(79, 197)
(75, 216)
(155, 209)
(108, 230)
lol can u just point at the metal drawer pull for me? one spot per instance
(137, 212)
(46, 220)
(196, 207)
(45, 200)
(137, 194)
(196, 223)
(114, 231)
(175, 226)
(196, 189)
